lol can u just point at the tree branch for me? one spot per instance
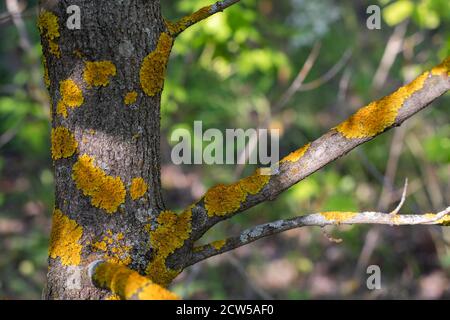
(175, 28)
(223, 201)
(316, 219)
(126, 283)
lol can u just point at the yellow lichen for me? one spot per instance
(223, 199)
(445, 221)
(338, 216)
(218, 244)
(97, 73)
(71, 96)
(61, 109)
(64, 144)
(296, 155)
(153, 67)
(64, 239)
(106, 192)
(442, 68)
(130, 98)
(172, 231)
(379, 115)
(138, 188)
(114, 248)
(113, 297)
(175, 28)
(254, 183)
(129, 284)
(49, 29)
(46, 75)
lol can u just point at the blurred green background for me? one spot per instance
(236, 70)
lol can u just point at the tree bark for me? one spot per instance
(93, 219)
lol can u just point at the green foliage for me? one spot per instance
(229, 71)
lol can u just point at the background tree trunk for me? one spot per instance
(122, 140)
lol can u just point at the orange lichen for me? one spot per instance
(153, 67)
(338, 216)
(442, 69)
(64, 144)
(379, 115)
(138, 188)
(106, 192)
(130, 97)
(296, 155)
(49, 29)
(71, 96)
(223, 199)
(218, 244)
(97, 73)
(129, 284)
(172, 231)
(113, 297)
(64, 239)
(114, 248)
(254, 183)
(176, 28)
(61, 109)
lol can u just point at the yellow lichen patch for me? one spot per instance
(114, 248)
(442, 68)
(71, 96)
(61, 109)
(97, 73)
(218, 244)
(254, 183)
(172, 231)
(64, 144)
(338, 216)
(46, 75)
(223, 199)
(130, 98)
(444, 221)
(113, 297)
(379, 115)
(153, 67)
(138, 188)
(106, 192)
(175, 28)
(64, 239)
(49, 29)
(129, 284)
(296, 155)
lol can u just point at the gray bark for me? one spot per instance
(123, 140)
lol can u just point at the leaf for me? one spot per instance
(397, 12)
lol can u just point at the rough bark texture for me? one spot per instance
(123, 140)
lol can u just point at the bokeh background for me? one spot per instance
(238, 70)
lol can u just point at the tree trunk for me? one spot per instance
(105, 136)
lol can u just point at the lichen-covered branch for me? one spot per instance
(127, 284)
(316, 219)
(223, 201)
(175, 28)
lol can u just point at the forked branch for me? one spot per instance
(224, 201)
